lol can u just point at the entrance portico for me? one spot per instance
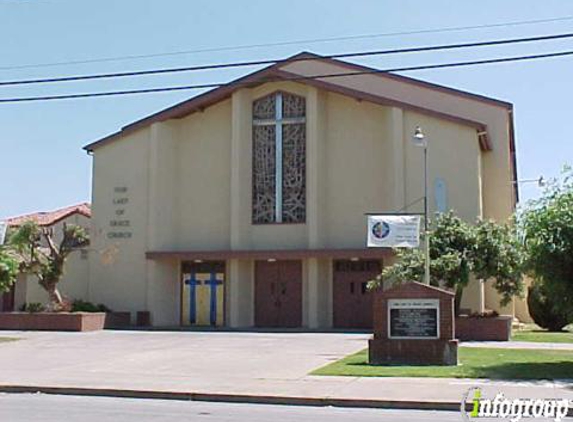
(279, 289)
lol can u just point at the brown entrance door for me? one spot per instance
(7, 300)
(352, 302)
(278, 294)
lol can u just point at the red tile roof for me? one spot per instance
(50, 218)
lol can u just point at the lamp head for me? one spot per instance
(419, 139)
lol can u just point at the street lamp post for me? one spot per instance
(420, 140)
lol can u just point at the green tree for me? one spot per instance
(458, 249)
(8, 269)
(498, 255)
(39, 254)
(547, 225)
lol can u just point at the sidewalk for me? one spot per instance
(518, 345)
(243, 367)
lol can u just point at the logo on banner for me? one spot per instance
(381, 230)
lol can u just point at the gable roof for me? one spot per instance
(46, 219)
(277, 72)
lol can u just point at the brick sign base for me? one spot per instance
(413, 352)
(441, 349)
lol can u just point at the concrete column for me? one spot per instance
(240, 282)
(314, 281)
(163, 187)
(161, 290)
(398, 175)
(312, 293)
(315, 169)
(240, 288)
(328, 293)
(318, 293)
(241, 165)
(163, 296)
(232, 289)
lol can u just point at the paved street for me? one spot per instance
(44, 408)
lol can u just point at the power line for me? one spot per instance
(288, 43)
(273, 61)
(294, 78)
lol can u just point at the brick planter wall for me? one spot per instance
(483, 329)
(61, 321)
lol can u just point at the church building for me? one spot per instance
(246, 206)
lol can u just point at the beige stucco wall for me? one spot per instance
(189, 188)
(203, 179)
(118, 276)
(496, 169)
(356, 162)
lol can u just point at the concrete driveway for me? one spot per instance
(271, 365)
(182, 361)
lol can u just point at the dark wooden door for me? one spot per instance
(7, 300)
(278, 294)
(352, 302)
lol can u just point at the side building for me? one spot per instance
(245, 206)
(75, 282)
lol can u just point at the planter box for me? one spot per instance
(483, 329)
(143, 319)
(52, 321)
(117, 320)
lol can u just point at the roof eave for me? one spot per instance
(215, 95)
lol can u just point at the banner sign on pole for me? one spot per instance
(3, 228)
(393, 231)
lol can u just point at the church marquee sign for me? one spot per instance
(413, 318)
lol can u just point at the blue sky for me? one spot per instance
(43, 166)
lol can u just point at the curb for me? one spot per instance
(233, 398)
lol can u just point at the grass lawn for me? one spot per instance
(538, 335)
(474, 363)
(7, 339)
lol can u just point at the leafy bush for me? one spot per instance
(8, 270)
(84, 306)
(486, 314)
(543, 310)
(547, 225)
(487, 249)
(32, 307)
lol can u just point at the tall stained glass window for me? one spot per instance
(279, 159)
